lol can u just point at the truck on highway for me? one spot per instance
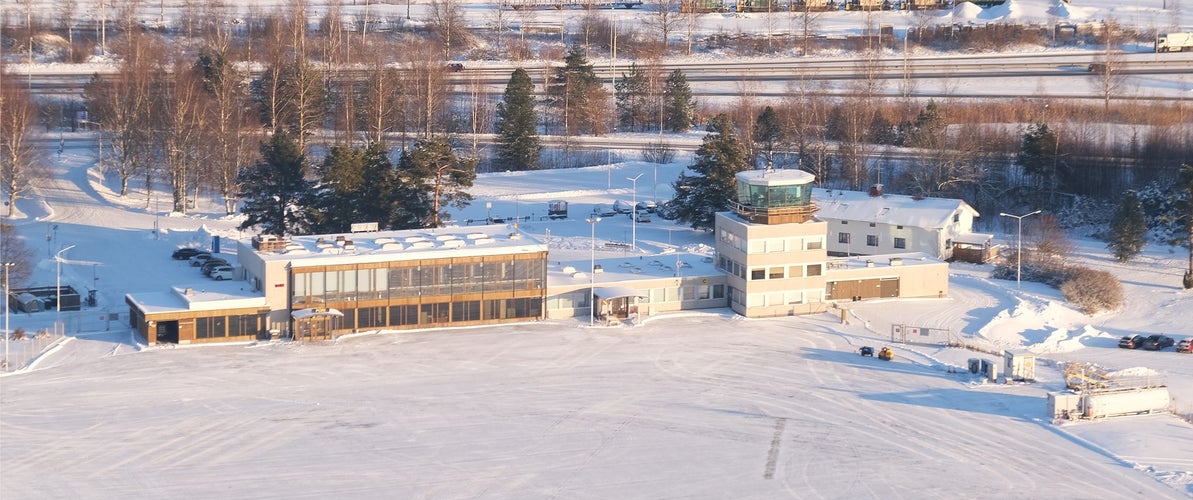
(1174, 42)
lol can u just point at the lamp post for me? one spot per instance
(592, 272)
(1019, 246)
(634, 213)
(58, 305)
(6, 334)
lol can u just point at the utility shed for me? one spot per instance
(1020, 365)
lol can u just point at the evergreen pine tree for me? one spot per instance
(277, 196)
(713, 187)
(577, 93)
(1128, 228)
(631, 93)
(342, 175)
(436, 179)
(681, 108)
(767, 134)
(518, 145)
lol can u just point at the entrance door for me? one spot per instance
(166, 332)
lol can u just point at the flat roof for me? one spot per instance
(624, 270)
(781, 177)
(206, 297)
(908, 259)
(410, 244)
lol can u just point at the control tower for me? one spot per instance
(772, 246)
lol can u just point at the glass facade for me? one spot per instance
(791, 195)
(426, 292)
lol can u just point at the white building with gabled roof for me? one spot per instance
(874, 223)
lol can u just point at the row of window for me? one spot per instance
(789, 297)
(413, 280)
(871, 240)
(772, 272)
(770, 245)
(229, 326)
(578, 299)
(439, 313)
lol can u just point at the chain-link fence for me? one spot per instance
(22, 347)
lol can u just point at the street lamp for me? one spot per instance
(1019, 245)
(6, 334)
(634, 213)
(58, 306)
(592, 272)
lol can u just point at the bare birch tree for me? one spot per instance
(21, 166)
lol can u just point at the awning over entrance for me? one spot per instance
(973, 238)
(311, 312)
(616, 292)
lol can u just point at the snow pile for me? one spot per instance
(1064, 340)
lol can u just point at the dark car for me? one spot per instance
(455, 67)
(187, 253)
(1157, 342)
(1134, 342)
(212, 264)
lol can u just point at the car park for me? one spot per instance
(1132, 342)
(1158, 342)
(187, 252)
(1185, 346)
(212, 264)
(220, 273)
(200, 259)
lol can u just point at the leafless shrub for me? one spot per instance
(658, 152)
(1092, 291)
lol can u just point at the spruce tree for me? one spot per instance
(681, 108)
(714, 186)
(767, 134)
(277, 196)
(518, 145)
(1128, 228)
(577, 93)
(631, 93)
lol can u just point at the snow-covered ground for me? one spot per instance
(699, 405)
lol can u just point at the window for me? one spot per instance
(813, 269)
(815, 244)
(872, 224)
(900, 242)
(758, 274)
(843, 238)
(795, 271)
(776, 273)
(957, 217)
(844, 222)
(718, 291)
(898, 227)
(871, 240)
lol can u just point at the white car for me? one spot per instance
(200, 259)
(222, 273)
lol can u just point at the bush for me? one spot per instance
(1092, 291)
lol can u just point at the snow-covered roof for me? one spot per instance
(411, 244)
(887, 208)
(781, 177)
(210, 296)
(631, 268)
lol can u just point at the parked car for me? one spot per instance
(602, 210)
(1157, 342)
(455, 67)
(187, 252)
(641, 216)
(221, 273)
(1132, 342)
(212, 264)
(199, 259)
(1185, 346)
(648, 206)
(623, 207)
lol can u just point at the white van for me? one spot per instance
(221, 273)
